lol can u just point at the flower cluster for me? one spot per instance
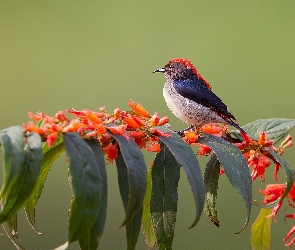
(137, 123)
(142, 128)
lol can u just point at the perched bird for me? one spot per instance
(189, 96)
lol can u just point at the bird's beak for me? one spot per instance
(159, 70)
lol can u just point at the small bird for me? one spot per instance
(189, 96)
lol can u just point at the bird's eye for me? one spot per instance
(171, 66)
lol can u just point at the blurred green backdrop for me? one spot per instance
(84, 54)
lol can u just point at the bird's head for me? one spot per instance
(180, 68)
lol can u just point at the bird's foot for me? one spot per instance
(181, 132)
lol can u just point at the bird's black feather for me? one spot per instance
(200, 93)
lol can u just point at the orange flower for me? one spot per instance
(157, 132)
(132, 121)
(31, 127)
(153, 147)
(140, 138)
(105, 139)
(117, 113)
(100, 129)
(111, 151)
(190, 137)
(61, 117)
(163, 121)
(155, 119)
(51, 139)
(292, 241)
(203, 150)
(73, 126)
(138, 109)
(119, 130)
(38, 117)
(213, 128)
(259, 162)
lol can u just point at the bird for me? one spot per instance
(190, 98)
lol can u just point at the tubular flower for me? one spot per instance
(259, 162)
(136, 124)
(204, 150)
(190, 137)
(31, 127)
(155, 119)
(256, 155)
(214, 129)
(132, 121)
(274, 192)
(138, 109)
(111, 151)
(288, 142)
(153, 147)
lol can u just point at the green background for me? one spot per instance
(56, 55)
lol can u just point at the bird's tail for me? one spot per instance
(231, 122)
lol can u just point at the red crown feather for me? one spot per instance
(187, 63)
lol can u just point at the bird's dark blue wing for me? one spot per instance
(200, 93)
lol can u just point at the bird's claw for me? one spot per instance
(181, 132)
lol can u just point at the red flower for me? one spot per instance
(204, 150)
(155, 119)
(132, 121)
(190, 137)
(111, 151)
(119, 130)
(31, 127)
(153, 147)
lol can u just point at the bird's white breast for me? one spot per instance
(187, 110)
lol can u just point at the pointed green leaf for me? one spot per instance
(276, 128)
(86, 186)
(164, 197)
(133, 229)
(20, 179)
(134, 223)
(147, 226)
(235, 167)
(50, 155)
(261, 231)
(136, 179)
(90, 240)
(211, 177)
(10, 228)
(12, 142)
(186, 157)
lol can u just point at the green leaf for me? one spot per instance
(136, 178)
(133, 224)
(50, 155)
(90, 240)
(211, 177)
(147, 226)
(10, 227)
(261, 231)
(86, 186)
(19, 180)
(276, 128)
(164, 197)
(12, 142)
(235, 168)
(186, 157)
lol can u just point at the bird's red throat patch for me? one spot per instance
(187, 63)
